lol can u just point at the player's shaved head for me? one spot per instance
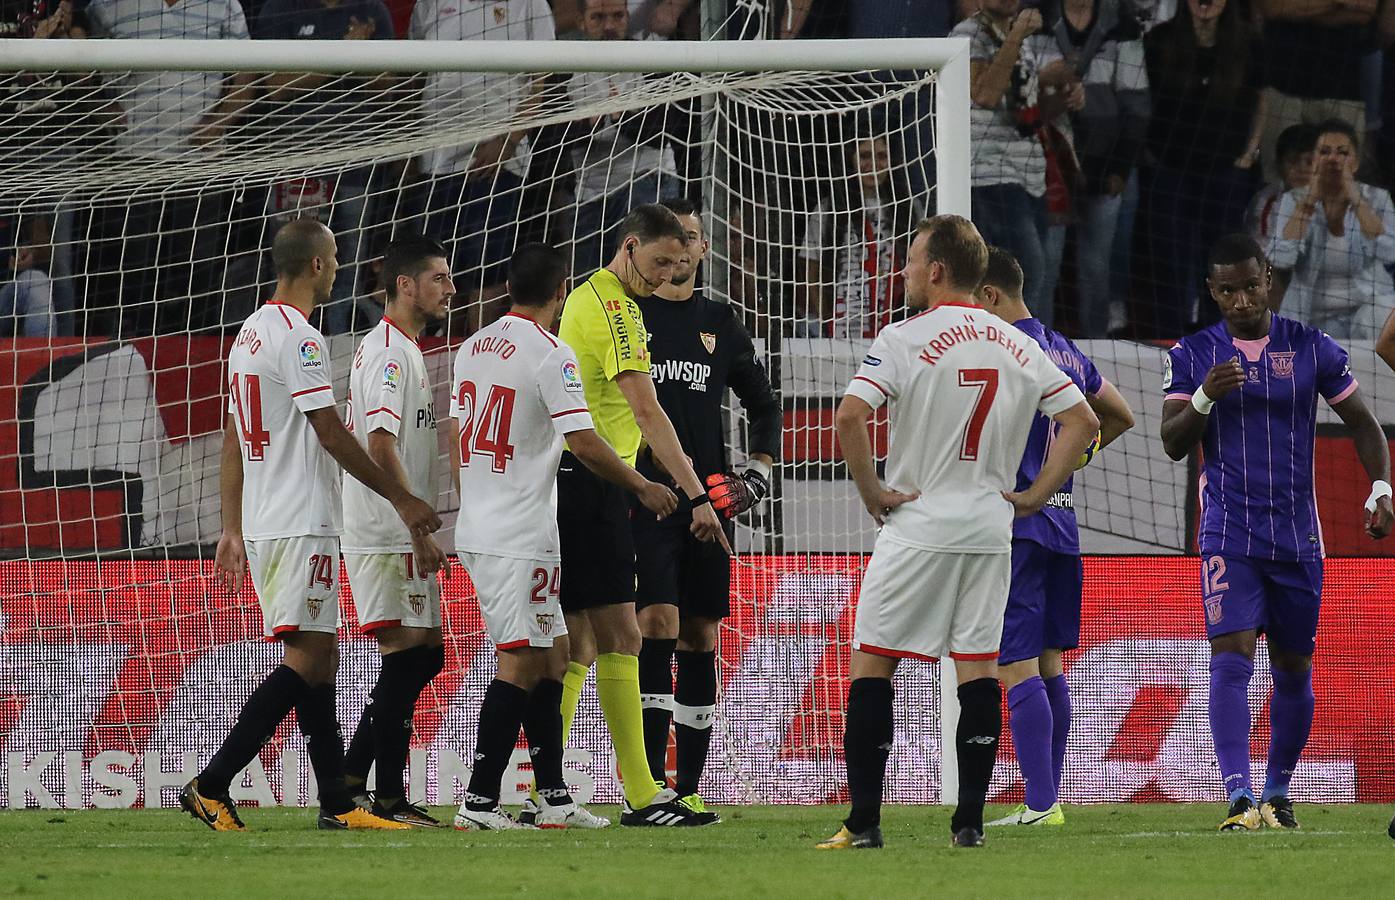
(408, 255)
(652, 222)
(1235, 248)
(536, 272)
(1003, 273)
(954, 242)
(296, 246)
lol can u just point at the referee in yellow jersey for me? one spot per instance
(602, 323)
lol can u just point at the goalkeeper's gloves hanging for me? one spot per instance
(1089, 453)
(733, 494)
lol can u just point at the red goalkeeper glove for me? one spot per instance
(734, 494)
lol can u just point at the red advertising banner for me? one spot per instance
(118, 678)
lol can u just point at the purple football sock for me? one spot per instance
(1290, 720)
(1229, 707)
(1030, 718)
(1058, 695)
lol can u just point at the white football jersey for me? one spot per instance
(963, 387)
(388, 389)
(278, 371)
(517, 392)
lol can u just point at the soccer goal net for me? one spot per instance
(140, 183)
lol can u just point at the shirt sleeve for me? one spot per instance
(384, 386)
(1179, 378)
(235, 25)
(878, 376)
(382, 23)
(272, 23)
(1094, 381)
(305, 367)
(544, 26)
(1282, 252)
(748, 379)
(559, 386)
(1334, 379)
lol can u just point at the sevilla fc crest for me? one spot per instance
(709, 341)
(417, 602)
(313, 605)
(1281, 364)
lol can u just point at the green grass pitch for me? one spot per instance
(1103, 851)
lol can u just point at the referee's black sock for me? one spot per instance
(695, 702)
(325, 744)
(866, 746)
(542, 723)
(656, 697)
(500, 715)
(976, 747)
(394, 702)
(263, 711)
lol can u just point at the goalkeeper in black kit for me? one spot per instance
(699, 349)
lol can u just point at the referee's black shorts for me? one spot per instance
(675, 567)
(598, 549)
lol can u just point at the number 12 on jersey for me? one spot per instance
(486, 430)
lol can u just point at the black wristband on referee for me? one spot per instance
(700, 500)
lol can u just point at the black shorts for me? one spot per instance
(598, 549)
(675, 567)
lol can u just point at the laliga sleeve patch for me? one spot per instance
(1167, 371)
(311, 355)
(392, 376)
(571, 376)
(870, 360)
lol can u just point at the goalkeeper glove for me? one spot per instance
(733, 494)
(1089, 453)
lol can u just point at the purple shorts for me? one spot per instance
(1043, 608)
(1277, 598)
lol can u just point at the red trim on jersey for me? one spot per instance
(370, 627)
(513, 645)
(382, 409)
(955, 303)
(279, 305)
(569, 412)
(898, 654)
(323, 387)
(541, 330)
(923, 312)
(279, 630)
(873, 384)
(392, 324)
(1057, 390)
(974, 657)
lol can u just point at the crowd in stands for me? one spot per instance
(1113, 140)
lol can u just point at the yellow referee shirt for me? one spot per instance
(603, 325)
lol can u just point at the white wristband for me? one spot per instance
(1202, 403)
(1379, 489)
(760, 466)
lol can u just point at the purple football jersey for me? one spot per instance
(1054, 527)
(1257, 495)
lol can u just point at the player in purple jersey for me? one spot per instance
(1043, 608)
(1246, 389)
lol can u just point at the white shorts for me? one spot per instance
(297, 582)
(920, 604)
(389, 589)
(518, 598)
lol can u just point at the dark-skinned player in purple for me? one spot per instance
(1246, 390)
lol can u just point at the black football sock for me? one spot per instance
(325, 746)
(500, 716)
(542, 723)
(358, 759)
(394, 702)
(263, 711)
(695, 702)
(976, 747)
(866, 746)
(429, 664)
(656, 697)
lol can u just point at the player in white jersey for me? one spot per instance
(517, 394)
(963, 388)
(281, 514)
(395, 589)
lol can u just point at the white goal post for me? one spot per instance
(776, 122)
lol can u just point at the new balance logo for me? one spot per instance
(985, 739)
